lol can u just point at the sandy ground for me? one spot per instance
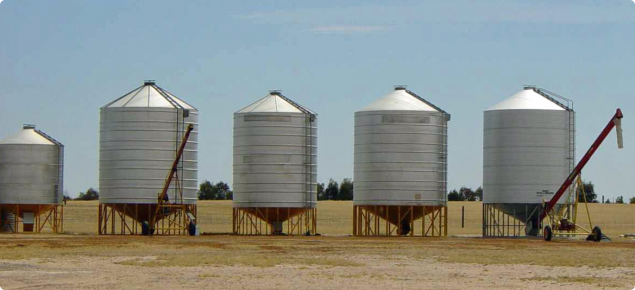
(232, 262)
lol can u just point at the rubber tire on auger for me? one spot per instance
(547, 233)
(597, 234)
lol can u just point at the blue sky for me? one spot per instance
(60, 61)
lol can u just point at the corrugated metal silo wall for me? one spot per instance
(526, 155)
(400, 158)
(30, 174)
(137, 149)
(275, 160)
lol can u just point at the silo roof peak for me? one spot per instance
(527, 99)
(401, 99)
(275, 102)
(27, 136)
(149, 95)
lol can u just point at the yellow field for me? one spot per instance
(336, 217)
(80, 259)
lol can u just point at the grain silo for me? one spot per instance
(400, 170)
(528, 152)
(140, 136)
(275, 168)
(31, 182)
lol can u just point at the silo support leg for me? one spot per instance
(354, 220)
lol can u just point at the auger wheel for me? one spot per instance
(596, 235)
(547, 233)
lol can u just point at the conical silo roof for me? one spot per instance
(149, 95)
(528, 99)
(275, 102)
(29, 136)
(402, 99)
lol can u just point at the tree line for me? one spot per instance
(332, 190)
(467, 194)
(90, 194)
(344, 191)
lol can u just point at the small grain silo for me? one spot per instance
(275, 168)
(528, 152)
(140, 134)
(400, 169)
(31, 182)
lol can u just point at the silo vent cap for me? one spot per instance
(275, 92)
(401, 87)
(529, 87)
(148, 82)
(28, 126)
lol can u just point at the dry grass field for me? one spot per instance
(80, 259)
(335, 217)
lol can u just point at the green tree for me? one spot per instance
(589, 190)
(90, 194)
(223, 191)
(346, 190)
(332, 190)
(468, 193)
(632, 200)
(455, 196)
(218, 191)
(479, 193)
(206, 191)
(619, 199)
(320, 191)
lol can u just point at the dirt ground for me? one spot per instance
(80, 259)
(232, 262)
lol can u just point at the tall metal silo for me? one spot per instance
(31, 182)
(528, 151)
(140, 134)
(400, 171)
(275, 167)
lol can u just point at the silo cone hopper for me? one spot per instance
(526, 213)
(276, 217)
(402, 218)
